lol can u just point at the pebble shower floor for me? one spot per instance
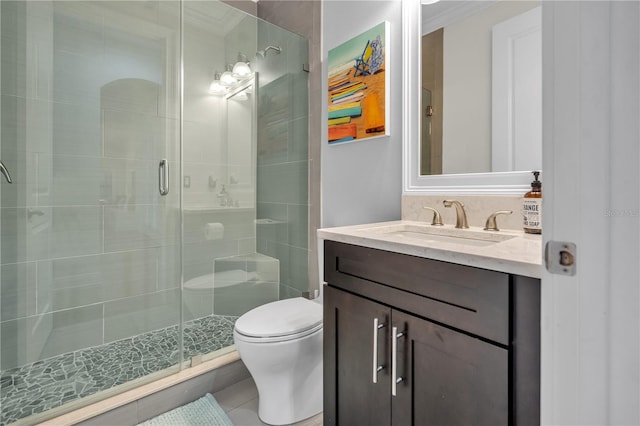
(52, 382)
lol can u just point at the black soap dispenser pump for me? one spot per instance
(532, 207)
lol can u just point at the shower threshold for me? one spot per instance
(50, 383)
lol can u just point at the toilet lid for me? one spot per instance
(281, 318)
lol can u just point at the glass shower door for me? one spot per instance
(90, 252)
(245, 171)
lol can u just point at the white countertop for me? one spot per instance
(520, 255)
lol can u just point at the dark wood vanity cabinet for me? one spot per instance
(464, 341)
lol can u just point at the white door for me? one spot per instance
(591, 321)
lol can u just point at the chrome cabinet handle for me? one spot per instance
(394, 360)
(5, 172)
(163, 177)
(376, 367)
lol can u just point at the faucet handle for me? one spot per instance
(437, 219)
(491, 220)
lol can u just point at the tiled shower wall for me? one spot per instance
(85, 236)
(207, 153)
(281, 193)
(85, 233)
(283, 158)
(304, 17)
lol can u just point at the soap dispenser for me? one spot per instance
(532, 207)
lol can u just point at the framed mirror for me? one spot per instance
(488, 142)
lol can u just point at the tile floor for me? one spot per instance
(240, 402)
(50, 383)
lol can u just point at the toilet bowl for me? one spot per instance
(281, 345)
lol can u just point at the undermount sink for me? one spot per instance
(427, 233)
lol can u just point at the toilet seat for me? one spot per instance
(280, 321)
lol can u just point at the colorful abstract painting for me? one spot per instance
(358, 87)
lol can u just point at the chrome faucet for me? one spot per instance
(461, 215)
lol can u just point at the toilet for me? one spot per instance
(281, 345)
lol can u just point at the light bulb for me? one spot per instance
(227, 78)
(216, 88)
(241, 70)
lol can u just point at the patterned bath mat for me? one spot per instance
(203, 412)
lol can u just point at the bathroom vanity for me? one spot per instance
(430, 327)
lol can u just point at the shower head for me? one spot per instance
(263, 53)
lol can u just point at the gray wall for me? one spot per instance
(362, 181)
(244, 5)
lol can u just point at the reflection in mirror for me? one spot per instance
(481, 94)
(241, 145)
(430, 149)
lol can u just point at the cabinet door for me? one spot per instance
(449, 378)
(350, 395)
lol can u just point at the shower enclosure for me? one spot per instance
(143, 208)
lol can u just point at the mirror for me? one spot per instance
(481, 106)
(478, 137)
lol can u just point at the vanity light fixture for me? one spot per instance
(216, 87)
(233, 77)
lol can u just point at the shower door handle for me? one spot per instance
(5, 172)
(163, 177)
